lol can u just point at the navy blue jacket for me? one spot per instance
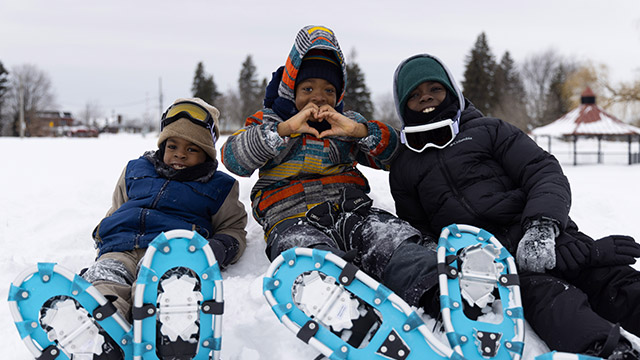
(156, 204)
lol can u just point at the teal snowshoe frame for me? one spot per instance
(178, 248)
(401, 335)
(472, 265)
(36, 285)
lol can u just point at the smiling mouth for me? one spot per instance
(178, 166)
(428, 110)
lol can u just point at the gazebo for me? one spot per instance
(590, 121)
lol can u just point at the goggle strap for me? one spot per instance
(456, 123)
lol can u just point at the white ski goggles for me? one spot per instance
(437, 135)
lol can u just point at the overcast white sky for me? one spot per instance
(114, 52)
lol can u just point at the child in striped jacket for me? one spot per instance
(309, 192)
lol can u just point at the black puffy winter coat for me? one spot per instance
(492, 176)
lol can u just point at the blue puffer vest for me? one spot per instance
(157, 204)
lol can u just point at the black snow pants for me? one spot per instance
(382, 245)
(572, 315)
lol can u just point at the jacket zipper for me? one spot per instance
(145, 212)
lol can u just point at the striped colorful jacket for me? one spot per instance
(300, 171)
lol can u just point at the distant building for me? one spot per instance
(590, 121)
(58, 123)
(47, 123)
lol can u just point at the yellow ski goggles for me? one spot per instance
(194, 112)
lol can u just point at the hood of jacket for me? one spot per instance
(396, 96)
(280, 92)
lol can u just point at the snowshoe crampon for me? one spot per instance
(344, 313)
(59, 315)
(178, 300)
(479, 295)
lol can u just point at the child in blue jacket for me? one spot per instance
(177, 186)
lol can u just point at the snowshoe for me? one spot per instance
(59, 315)
(479, 295)
(556, 355)
(177, 306)
(343, 313)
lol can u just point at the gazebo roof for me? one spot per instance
(588, 119)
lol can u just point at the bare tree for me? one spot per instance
(621, 99)
(90, 113)
(539, 72)
(385, 110)
(37, 95)
(232, 116)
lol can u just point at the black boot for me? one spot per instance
(615, 347)
(624, 351)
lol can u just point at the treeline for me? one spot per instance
(537, 91)
(236, 104)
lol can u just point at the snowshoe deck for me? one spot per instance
(178, 300)
(479, 295)
(320, 297)
(59, 315)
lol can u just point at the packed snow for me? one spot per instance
(53, 192)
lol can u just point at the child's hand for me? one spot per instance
(340, 124)
(297, 124)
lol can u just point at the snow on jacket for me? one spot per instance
(300, 171)
(492, 176)
(144, 204)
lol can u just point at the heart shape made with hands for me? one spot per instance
(319, 125)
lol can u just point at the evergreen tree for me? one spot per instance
(4, 87)
(4, 81)
(510, 94)
(250, 90)
(203, 86)
(479, 82)
(357, 96)
(557, 103)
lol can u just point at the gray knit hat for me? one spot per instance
(186, 129)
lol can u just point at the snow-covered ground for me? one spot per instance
(53, 191)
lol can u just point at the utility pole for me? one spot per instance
(160, 95)
(160, 107)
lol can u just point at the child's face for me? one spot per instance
(317, 91)
(426, 96)
(181, 154)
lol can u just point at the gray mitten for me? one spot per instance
(537, 248)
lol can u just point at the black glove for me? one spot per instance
(608, 251)
(225, 248)
(573, 255)
(323, 215)
(355, 200)
(536, 250)
(615, 250)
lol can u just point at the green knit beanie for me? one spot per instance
(415, 72)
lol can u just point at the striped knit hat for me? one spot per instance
(309, 38)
